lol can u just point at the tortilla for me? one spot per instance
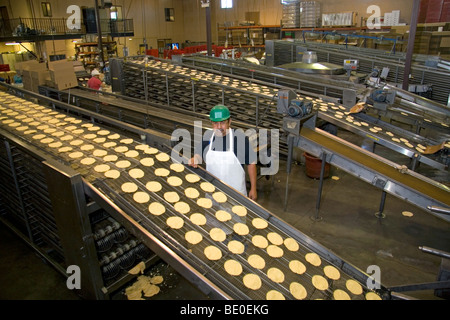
(129, 187)
(174, 181)
(177, 167)
(236, 247)
(407, 214)
(259, 223)
(156, 280)
(175, 222)
(340, 295)
(354, 287)
(136, 173)
(276, 275)
(207, 187)
(260, 241)
(87, 147)
(274, 251)
(153, 186)
(372, 296)
(240, 211)
(297, 267)
(102, 168)
(192, 178)
(233, 267)
(217, 234)
(220, 197)
(191, 193)
(252, 281)
(131, 154)
(182, 207)
(162, 157)
(291, 244)
(332, 272)
(198, 219)
(110, 158)
(241, 229)
(121, 149)
(141, 197)
(297, 290)
(87, 161)
(156, 208)
(193, 237)
(99, 153)
(313, 258)
(112, 174)
(147, 162)
(212, 253)
(274, 295)
(223, 216)
(204, 203)
(171, 197)
(75, 155)
(319, 282)
(161, 172)
(275, 238)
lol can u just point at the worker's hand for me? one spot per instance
(253, 194)
(194, 161)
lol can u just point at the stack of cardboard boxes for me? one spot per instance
(59, 74)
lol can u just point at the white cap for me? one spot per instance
(95, 72)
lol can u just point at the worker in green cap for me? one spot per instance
(226, 152)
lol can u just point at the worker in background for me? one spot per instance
(94, 82)
(226, 151)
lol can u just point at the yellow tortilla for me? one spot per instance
(319, 282)
(260, 242)
(175, 222)
(233, 267)
(156, 209)
(212, 253)
(274, 295)
(193, 237)
(217, 234)
(297, 290)
(275, 274)
(241, 229)
(297, 267)
(252, 281)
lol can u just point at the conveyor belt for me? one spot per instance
(383, 174)
(241, 96)
(71, 139)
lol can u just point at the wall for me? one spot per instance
(190, 17)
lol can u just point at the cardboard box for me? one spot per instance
(55, 47)
(62, 74)
(29, 65)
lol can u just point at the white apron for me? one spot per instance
(225, 166)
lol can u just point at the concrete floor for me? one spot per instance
(348, 227)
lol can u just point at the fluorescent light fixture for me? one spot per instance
(12, 43)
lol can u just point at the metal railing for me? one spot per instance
(20, 27)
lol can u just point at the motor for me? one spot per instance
(299, 108)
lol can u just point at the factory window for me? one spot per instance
(226, 4)
(116, 13)
(46, 9)
(169, 14)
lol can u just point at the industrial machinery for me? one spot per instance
(87, 162)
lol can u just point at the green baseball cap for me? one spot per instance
(219, 113)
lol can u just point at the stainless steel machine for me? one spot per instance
(81, 161)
